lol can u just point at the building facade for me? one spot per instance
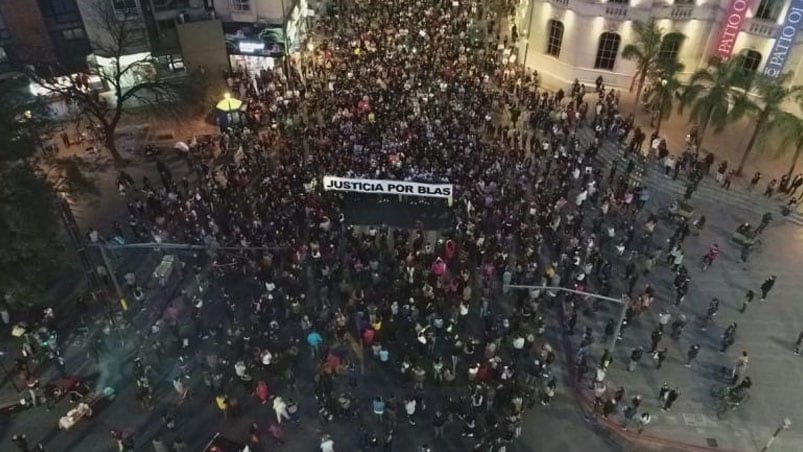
(583, 39)
(47, 33)
(259, 33)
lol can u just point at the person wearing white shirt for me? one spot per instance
(327, 444)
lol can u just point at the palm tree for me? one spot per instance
(666, 88)
(772, 95)
(791, 126)
(717, 95)
(645, 51)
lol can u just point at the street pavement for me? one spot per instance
(561, 426)
(767, 331)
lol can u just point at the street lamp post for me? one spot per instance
(623, 302)
(661, 105)
(784, 425)
(527, 36)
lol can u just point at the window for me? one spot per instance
(769, 9)
(241, 5)
(683, 2)
(4, 34)
(607, 50)
(3, 55)
(670, 47)
(750, 61)
(73, 34)
(166, 5)
(62, 11)
(619, 2)
(555, 38)
(124, 4)
(125, 9)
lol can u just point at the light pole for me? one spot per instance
(664, 82)
(784, 425)
(527, 36)
(623, 302)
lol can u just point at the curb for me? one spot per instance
(629, 437)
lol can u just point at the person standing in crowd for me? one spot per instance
(694, 350)
(643, 421)
(748, 298)
(767, 286)
(670, 398)
(635, 357)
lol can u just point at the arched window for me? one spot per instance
(751, 60)
(607, 50)
(555, 38)
(769, 9)
(670, 46)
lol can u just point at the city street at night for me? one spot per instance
(400, 225)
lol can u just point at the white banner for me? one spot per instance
(387, 187)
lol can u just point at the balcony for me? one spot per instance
(681, 12)
(762, 27)
(619, 12)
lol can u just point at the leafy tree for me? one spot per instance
(33, 250)
(646, 52)
(127, 81)
(666, 88)
(791, 126)
(772, 95)
(717, 95)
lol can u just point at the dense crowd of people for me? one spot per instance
(402, 90)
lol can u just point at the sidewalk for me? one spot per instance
(768, 156)
(767, 330)
(747, 206)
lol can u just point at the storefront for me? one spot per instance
(253, 47)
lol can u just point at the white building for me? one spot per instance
(584, 39)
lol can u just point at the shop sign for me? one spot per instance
(730, 27)
(785, 40)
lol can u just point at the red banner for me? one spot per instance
(730, 27)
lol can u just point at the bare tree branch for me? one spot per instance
(116, 36)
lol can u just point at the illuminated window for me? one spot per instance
(751, 60)
(607, 50)
(670, 47)
(241, 5)
(555, 38)
(769, 9)
(3, 55)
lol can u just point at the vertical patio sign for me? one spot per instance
(730, 27)
(784, 40)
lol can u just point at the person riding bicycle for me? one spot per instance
(711, 255)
